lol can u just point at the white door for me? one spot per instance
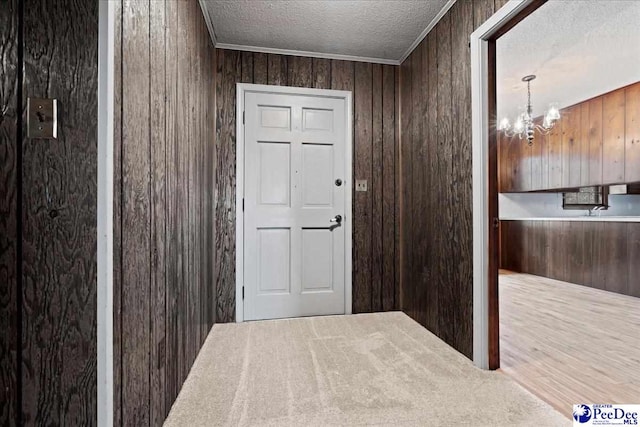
(294, 205)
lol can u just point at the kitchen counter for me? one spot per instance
(577, 218)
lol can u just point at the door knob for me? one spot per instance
(337, 219)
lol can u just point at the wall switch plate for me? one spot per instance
(361, 185)
(42, 118)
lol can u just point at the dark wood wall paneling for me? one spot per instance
(9, 213)
(375, 159)
(48, 215)
(596, 254)
(164, 294)
(596, 142)
(436, 195)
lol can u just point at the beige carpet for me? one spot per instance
(368, 369)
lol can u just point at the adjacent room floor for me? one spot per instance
(568, 343)
(367, 369)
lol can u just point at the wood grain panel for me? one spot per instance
(166, 101)
(388, 149)
(590, 253)
(595, 141)
(614, 257)
(506, 164)
(246, 67)
(576, 256)
(558, 255)
(431, 292)
(397, 195)
(117, 219)
(420, 77)
(535, 152)
(538, 248)
(9, 201)
(363, 209)
(555, 156)
(543, 141)
(524, 170)
(136, 206)
(407, 219)
(583, 156)
(59, 202)
(449, 313)
(377, 179)
(599, 268)
(416, 252)
(211, 118)
(158, 208)
(260, 68)
(321, 73)
(181, 132)
(571, 146)
(300, 71)
(227, 75)
(174, 275)
(482, 10)
(342, 75)
(613, 143)
(277, 69)
(462, 25)
(632, 133)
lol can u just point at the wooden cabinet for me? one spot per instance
(592, 253)
(596, 142)
(632, 133)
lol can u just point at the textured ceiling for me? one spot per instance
(577, 49)
(382, 29)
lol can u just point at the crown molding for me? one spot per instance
(427, 30)
(307, 54)
(207, 20)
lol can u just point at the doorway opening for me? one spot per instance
(562, 210)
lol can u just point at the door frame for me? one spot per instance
(241, 90)
(486, 325)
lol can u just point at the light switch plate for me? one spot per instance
(42, 118)
(361, 185)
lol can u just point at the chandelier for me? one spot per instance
(524, 125)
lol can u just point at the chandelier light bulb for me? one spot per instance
(504, 124)
(553, 114)
(518, 126)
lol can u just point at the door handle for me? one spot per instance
(337, 219)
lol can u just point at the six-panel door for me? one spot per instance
(294, 256)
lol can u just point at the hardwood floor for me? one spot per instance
(568, 343)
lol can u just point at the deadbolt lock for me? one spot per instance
(338, 182)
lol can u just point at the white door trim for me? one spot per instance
(241, 89)
(104, 315)
(479, 96)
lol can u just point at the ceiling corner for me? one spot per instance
(427, 30)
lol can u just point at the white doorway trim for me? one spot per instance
(104, 308)
(481, 122)
(241, 90)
